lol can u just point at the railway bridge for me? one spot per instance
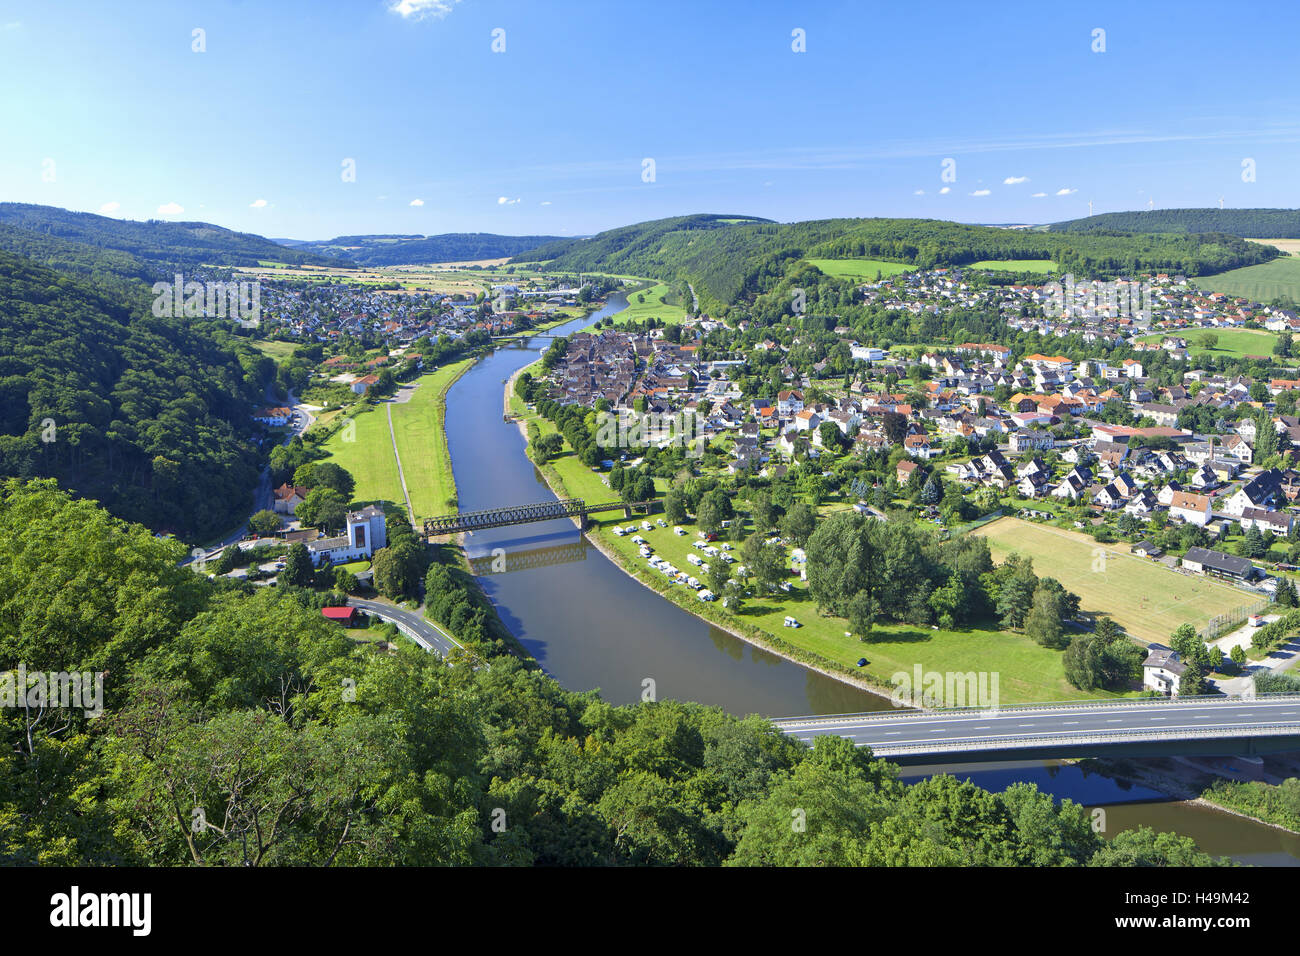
(575, 508)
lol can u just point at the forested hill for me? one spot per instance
(144, 414)
(165, 243)
(1250, 223)
(730, 259)
(372, 251)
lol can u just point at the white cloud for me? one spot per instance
(504, 201)
(1015, 180)
(981, 192)
(1038, 195)
(257, 204)
(945, 190)
(422, 9)
(417, 202)
(109, 207)
(1065, 191)
(919, 192)
(546, 202)
(171, 209)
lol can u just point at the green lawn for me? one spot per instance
(276, 350)
(1147, 598)
(368, 457)
(1041, 266)
(866, 269)
(1233, 342)
(1261, 283)
(422, 442)
(649, 304)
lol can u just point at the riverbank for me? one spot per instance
(710, 615)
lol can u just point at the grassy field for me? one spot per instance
(1147, 598)
(276, 350)
(1042, 266)
(369, 457)
(866, 269)
(649, 304)
(422, 442)
(1261, 283)
(1234, 342)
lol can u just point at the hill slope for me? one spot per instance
(381, 250)
(730, 259)
(1250, 223)
(143, 414)
(170, 243)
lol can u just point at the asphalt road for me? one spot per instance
(423, 631)
(908, 731)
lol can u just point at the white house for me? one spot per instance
(1191, 508)
(1162, 670)
(366, 533)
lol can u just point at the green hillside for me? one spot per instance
(1254, 223)
(372, 251)
(730, 259)
(172, 243)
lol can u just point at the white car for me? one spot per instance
(705, 596)
(637, 539)
(618, 531)
(679, 531)
(728, 558)
(662, 523)
(647, 526)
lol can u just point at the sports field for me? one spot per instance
(1149, 599)
(860, 268)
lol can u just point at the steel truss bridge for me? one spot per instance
(575, 508)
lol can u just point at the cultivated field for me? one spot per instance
(1289, 246)
(860, 268)
(1149, 599)
(1262, 283)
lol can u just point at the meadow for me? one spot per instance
(422, 442)
(1041, 266)
(652, 303)
(1147, 598)
(368, 457)
(1262, 283)
(1234, 342)
(865, 269)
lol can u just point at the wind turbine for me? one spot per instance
(1089, 207)
(1220, 202)
(1151, 204)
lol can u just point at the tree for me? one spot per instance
(1083, 663)
(298, 568)
(675, 506)
(764, 514)
(798, 523)
(1044, 621)
(324, 508)
(930, 492)
(325, 474)
(1016, 594)
(264, 523)
(766, 562)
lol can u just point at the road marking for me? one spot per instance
(1069, 722)
(1115, 720)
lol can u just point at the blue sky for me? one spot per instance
(106, 107)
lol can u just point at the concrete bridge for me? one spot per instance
(575, 508)
(1134, 727)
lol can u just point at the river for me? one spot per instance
(591, 626)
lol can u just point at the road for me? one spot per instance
(401, 475)
(421, 630)
(917, 732)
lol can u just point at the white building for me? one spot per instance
(366, 533)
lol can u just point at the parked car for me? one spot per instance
(791, 622)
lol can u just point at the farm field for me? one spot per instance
(1042, 266)
(860, 268)
(1235, 342)
(1147, 598)
(369, 458)
(1289, 246)
(422, 442)
(1261, 283)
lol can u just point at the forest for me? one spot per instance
(371, 251)
(240, 727)
(149, 416)
(1251, 223)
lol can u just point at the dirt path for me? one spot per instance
(401, 476)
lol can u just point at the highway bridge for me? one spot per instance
(524, 514)
(1133, 727)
